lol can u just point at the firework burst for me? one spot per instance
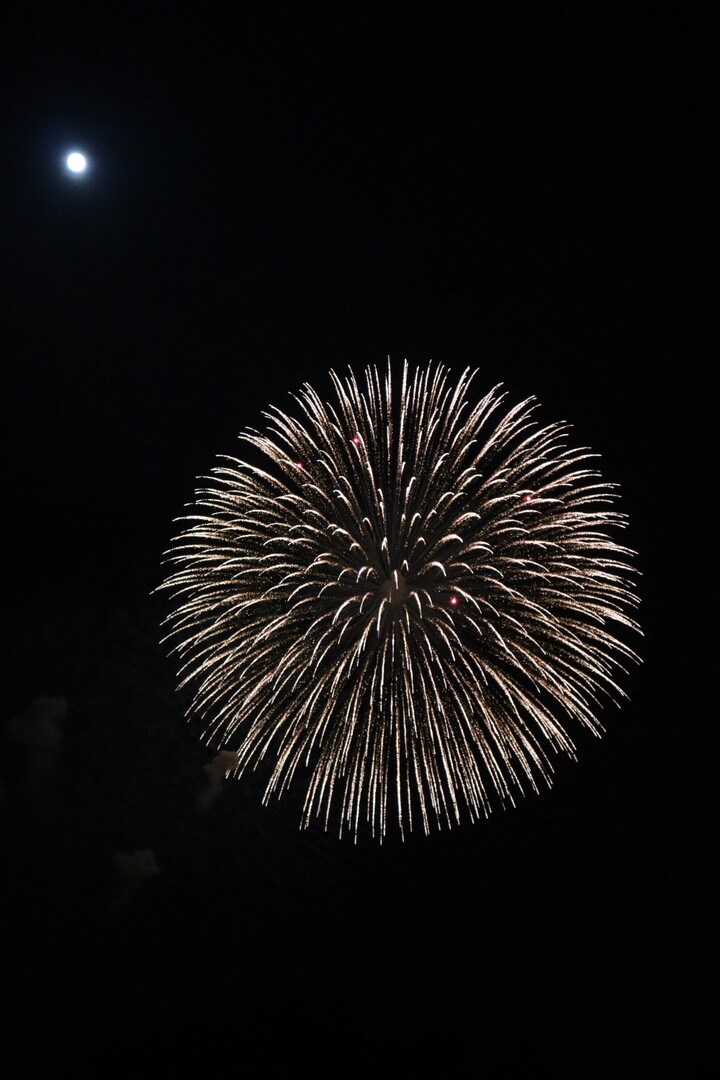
(405, 597)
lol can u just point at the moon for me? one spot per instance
(76, 162)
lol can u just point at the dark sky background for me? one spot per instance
(272, 193)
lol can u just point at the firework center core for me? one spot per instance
(395, 588)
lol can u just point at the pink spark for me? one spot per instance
(528, 497)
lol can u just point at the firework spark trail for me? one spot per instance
(412, 599)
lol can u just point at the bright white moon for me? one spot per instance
(76, 163)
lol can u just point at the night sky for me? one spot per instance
(273, 192)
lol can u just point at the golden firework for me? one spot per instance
(408, 598)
